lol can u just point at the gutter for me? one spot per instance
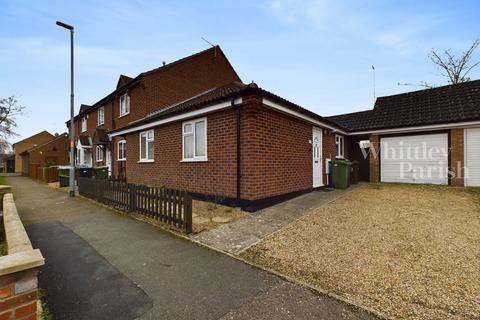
(431, 127)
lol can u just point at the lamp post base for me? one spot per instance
(72, 193)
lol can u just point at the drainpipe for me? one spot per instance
(238, 150)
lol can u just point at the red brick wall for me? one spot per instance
(457, 157)
(276, 152)
(56, 150)
(274, 160)
(374, 158)
(217, 176)
(18, 295)
(176, 83)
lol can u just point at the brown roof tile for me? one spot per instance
(447, 104)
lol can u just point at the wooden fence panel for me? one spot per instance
(170, 206)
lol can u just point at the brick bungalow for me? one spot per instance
(193, 125)
(26, 144)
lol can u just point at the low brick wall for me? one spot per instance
(19, 268)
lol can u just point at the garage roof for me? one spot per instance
(441, 105)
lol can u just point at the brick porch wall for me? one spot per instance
(374, 158)
(457, 157)
(276, 152)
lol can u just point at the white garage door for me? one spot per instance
(415, 159)
(472, 157)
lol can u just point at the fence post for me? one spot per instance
(132, 197)
(188, 213)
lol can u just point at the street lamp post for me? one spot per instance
(72, 132)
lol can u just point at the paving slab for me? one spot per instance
(239, 235)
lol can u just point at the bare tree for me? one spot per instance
(455, 69)
(10, 108)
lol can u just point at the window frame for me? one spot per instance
(124, 142)
(339, 150)
(147, 140)
(98, 151)
(125, 96)
(84, 120)
(195, 158)
(100, 123)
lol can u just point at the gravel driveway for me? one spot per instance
(409, 251)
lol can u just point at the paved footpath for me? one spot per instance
(239, 235)
(102, 265)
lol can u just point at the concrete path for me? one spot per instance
(182, 279)
(239, 235)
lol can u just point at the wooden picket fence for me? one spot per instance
(47, 174)
(169, 206)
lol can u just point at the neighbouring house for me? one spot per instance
(193, 125)
(26, 144)
(135, 98)
(49, 153)
(7, 163)
(429, 136)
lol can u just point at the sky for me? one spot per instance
(316, 53)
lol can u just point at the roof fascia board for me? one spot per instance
(419, 128)
(182, 116)
(299, 115)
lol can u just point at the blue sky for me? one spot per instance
(315, 53)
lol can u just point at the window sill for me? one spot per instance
(122, 160)
(146, 161)
(124, 115)
(101, 124)
(195, 160)
(98, 160)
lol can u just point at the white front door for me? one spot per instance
(472, 157)
(108, 161)
(317, 157)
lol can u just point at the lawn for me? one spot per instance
(2, 181)
(409, 251)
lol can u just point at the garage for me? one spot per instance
(414, 159)
(472, 157)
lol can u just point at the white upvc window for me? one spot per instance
(340, 146)
(101, 116)
(194, 136)
(122, 150)
(98, 154)
(124, 105)
(84, 123)
(146, 146)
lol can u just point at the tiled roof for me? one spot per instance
(447, 104)
(206, 97)
(126, 82)
(123, 80)
(55, 138)
(223, 93)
